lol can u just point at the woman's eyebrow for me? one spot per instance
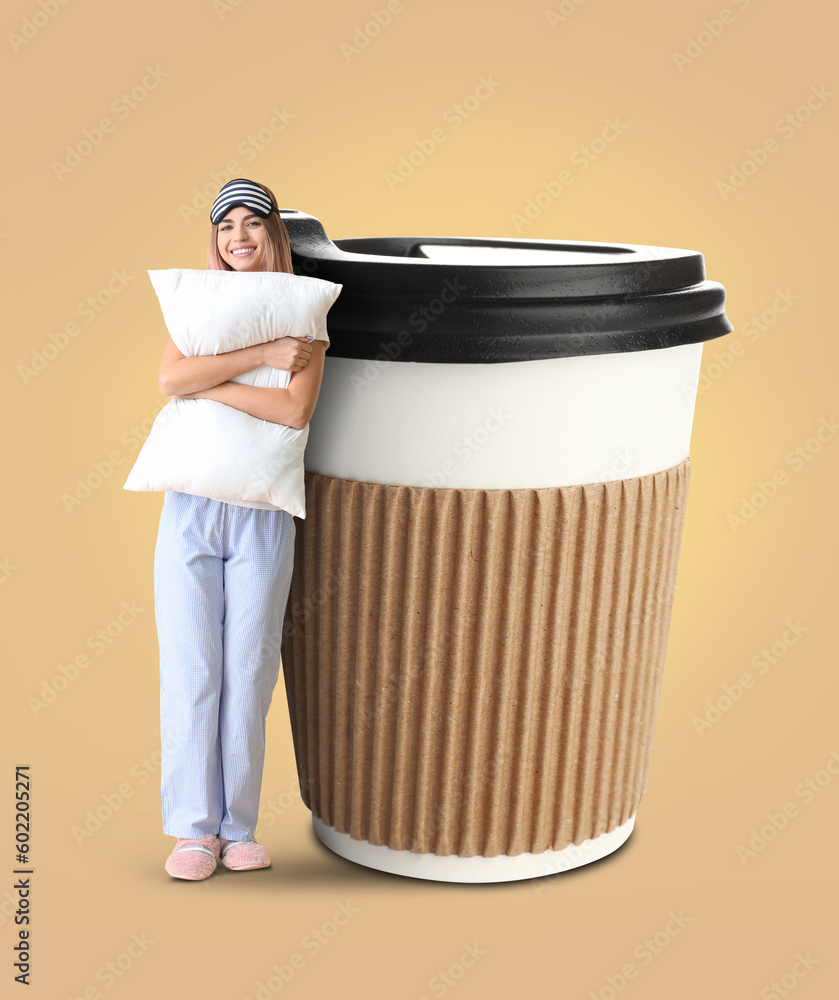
(253, 215)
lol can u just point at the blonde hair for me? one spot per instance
(277, 243)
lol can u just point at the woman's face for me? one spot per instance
(242, 230)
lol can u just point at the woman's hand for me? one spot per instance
(288, 353)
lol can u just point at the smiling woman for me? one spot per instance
(222, 572)
(240, 226)
(241, 240)
(249, 237)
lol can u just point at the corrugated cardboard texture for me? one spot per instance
(477, 672)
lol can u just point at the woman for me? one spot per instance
(222, 573)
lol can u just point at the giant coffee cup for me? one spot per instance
(496, 479)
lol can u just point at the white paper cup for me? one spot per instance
(483, 583)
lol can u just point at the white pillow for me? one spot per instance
(205, 447)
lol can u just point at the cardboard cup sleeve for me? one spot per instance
(477, 672)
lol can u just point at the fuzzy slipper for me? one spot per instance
(242, 855)
(194, 859)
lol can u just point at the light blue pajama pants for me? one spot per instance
(222, 575)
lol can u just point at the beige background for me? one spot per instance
(67, 573)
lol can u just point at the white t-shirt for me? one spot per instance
(263, 504)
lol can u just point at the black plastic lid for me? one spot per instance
(585, 298)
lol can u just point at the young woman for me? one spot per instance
(222, 573)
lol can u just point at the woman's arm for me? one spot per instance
(180, 374)
(293, 406)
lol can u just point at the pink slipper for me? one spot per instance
(195, 858)
(242, 855)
